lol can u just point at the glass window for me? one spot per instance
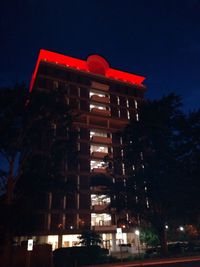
(100, 219)
(99, 199)
(97, 164)
(98, 133)
(100, 148)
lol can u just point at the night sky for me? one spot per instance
(159, 39)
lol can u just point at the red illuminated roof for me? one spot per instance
(94, 64)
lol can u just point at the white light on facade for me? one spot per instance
(137, 232)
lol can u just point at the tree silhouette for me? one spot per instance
(35, 139)
(90, 238)
(152, 149)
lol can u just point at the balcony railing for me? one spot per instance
(99, 170)
(99, 188)
(103, 112)
(102, 99)
(104, 228)
(99, 207)
(98, 154)
(100, 86)
(101, 139)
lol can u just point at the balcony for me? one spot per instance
(99, 189)
(100, 86)
(99, 170)
(101, 139)
(102, 99)
(99, 207)
(104, 227)
(98, 154)
(102, 112)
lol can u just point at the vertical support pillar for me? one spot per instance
(60, 240)
(114, 248)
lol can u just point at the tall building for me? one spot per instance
(104, 99)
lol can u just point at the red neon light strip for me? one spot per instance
(71, 62)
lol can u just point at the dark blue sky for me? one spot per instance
(159, 39)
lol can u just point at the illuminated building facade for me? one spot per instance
(105, 99)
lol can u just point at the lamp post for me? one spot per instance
(137, 233)
(181, 228)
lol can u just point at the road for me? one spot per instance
(175, 262)
(182, 264)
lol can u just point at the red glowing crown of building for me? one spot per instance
(94, 64)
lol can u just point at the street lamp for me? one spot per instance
(181, 228)
(137, 233)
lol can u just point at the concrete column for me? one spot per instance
(60, 241)
(114, 248)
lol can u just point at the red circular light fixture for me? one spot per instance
(97, 64)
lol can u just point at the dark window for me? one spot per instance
(57, 201)
(56, 221)
(71, 201)
(84, 202)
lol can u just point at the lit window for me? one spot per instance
(128, 114)
(119, 114)
(137, 117)
(127, 103)
(97, 164)
(78, 146)
(99, 199)
(97, 133)
(103, 149)
(55, 84)
(136, 104)
(98, 94)
(121, 141)
(100, 219)
(123, 169)
(97, 106)
(147, 202)
(118, 102)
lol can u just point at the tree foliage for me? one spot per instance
(12, 121)
(34, 145)
(90, 238)
(157, 147)
(149, 237)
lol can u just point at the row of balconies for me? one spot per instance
(101, 99)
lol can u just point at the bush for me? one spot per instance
(68, 257)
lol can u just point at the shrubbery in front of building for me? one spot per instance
(79, 256)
